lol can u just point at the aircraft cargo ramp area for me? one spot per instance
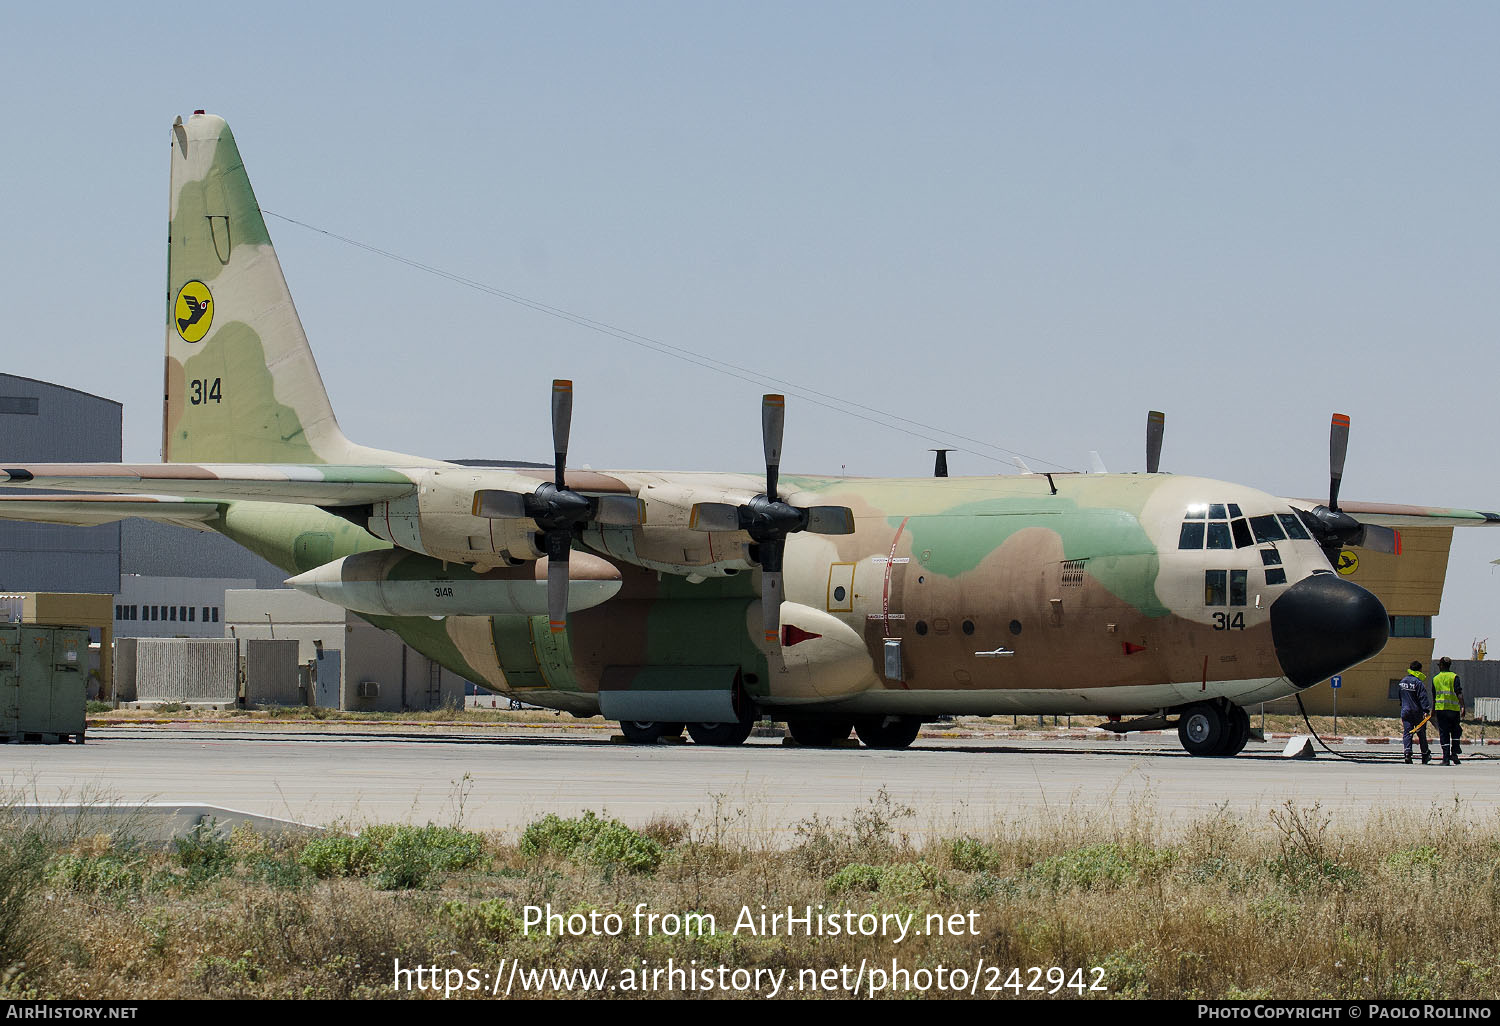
(506, 777)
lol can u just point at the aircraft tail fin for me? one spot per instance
(241, 382)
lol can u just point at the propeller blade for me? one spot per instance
(1096, 463)
(714, 516)
(562, 420)
(770, 603)
(619, 509)
(772, 422)
(1156, 426)
(1338, 447)
(940, 464)
(1379, 539)
(495, 504)
(830, 520)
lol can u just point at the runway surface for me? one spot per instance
(504, 779)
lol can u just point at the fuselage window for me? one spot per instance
(1294, 528)
(1270, 557)
(1238, 587)
(1214, 589)
(1192, 536)
(1275, 575)
(1266, 529)
(1218, 535)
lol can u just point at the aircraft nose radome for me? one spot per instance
(1322, 625)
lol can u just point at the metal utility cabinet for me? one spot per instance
(43, 677)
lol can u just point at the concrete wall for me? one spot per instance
(396, 677)
(188, 670)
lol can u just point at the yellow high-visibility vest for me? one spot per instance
(1443, 690)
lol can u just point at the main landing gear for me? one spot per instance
(888, 732)
(1215, 728)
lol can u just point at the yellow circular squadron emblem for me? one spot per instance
(194, 311)
(1348, 563)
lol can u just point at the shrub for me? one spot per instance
(1098, 866)
(204, 852)
(400, 857)
(605, 843)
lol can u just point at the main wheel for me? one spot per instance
(819, 733)
(645, 732)
(887, 731)
(720, 734)
(1202, 728)
(1238, 733)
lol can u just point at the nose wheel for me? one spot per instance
(1215, 728)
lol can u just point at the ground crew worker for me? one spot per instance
(1415, 708)
(1448, 708)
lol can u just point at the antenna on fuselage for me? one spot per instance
(1156, 425)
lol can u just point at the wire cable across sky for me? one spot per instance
(883, 418)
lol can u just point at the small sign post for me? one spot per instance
(1337, 680)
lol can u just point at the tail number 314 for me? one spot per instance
(201, 391)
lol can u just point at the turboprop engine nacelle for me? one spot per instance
(438, 519)
(397, 583)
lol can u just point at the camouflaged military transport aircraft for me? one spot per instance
(666, 600)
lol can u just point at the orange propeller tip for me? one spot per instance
(562, 385)
(775, 400)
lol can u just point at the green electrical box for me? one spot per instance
(43, 682)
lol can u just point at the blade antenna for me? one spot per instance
(1156, 426)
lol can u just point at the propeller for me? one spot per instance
(1331, 526)
(557, 509)
(1156, 425)
(768, 520)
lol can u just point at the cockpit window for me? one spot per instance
(1216, 511)
(1218, 535)
(1294, 528)
(1214, 590)
(1192, 536)
(1266, 529)
(1238, 586)
(1242, 533)
(1197, 511)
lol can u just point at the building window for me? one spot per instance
(24, 404)
(119, 612)
(205, 614)
(1411, 626)
(192, 613)
(216, 614)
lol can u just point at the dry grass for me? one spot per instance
(1398, 906)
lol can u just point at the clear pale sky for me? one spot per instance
(1022, 223)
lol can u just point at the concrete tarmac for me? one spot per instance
(502, 779)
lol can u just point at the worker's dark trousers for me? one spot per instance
(1448, 731)
(1406, 736)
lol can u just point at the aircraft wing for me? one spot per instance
(93, 510)
(311, 485)
(1387, 514)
